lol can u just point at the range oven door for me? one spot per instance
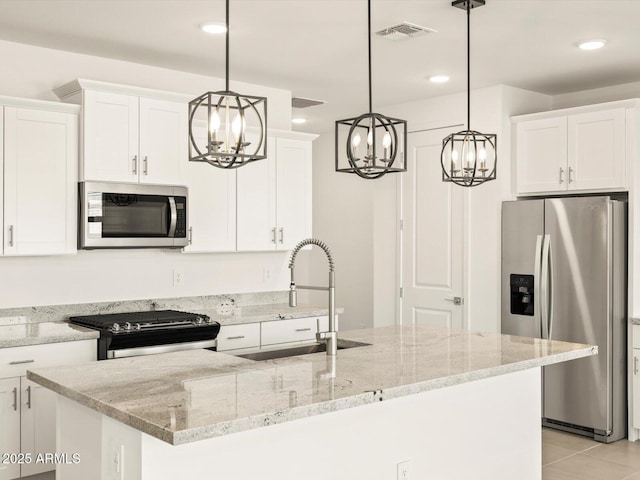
(116, 215)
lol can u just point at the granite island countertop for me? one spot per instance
(193, 395)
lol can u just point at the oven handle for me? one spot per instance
(173, 347)
(174, 217)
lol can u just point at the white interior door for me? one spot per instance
(432, 237)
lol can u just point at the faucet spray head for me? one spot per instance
(293, 295)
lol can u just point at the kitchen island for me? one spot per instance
(453, 404)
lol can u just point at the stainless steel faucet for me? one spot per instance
(330, 337)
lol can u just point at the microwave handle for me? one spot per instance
(173, 216)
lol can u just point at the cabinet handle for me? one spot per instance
(281, 234)
(561, 175)
(570, 172)
(635, 365)
(145, 165)
(273, 235)
(11, 235)
(303, 329)
(29, 396)
(237, 337)
(135, 164)
(190, 235)
(15, 399)
(19, 362)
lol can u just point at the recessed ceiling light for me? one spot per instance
(439, 78)
(592, 44)
(215, 28)
(298, 120)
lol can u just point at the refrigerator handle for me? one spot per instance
(537, 293)
(550, 287)
(545, 284)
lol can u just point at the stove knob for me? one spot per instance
(115, 327)
(137, 326)
(209, 320)
(199, 321)
(127, 326)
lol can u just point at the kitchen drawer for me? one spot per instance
(15, 361)
(636, 336)
(232, 337)
(294, 330)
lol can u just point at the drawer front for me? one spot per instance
(232, 337)
(636, 336)
(15, 361)
(294, 330)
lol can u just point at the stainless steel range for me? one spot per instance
(145, 333)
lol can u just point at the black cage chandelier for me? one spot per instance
(226, 129)
(469, 157)
(372, 144)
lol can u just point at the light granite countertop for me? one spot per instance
(263, 313)
(193, 395)
(19, 333)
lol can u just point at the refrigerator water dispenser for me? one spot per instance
(522, 294)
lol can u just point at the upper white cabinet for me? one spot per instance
(274, 196)
(581, 149)
(40, 177)
(130, 134)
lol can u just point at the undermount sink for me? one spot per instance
(301, 350)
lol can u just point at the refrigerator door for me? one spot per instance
(522, 233)
(580, 309)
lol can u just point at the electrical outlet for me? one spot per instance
(404, 470)
(178, 277)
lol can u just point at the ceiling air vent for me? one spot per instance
(404, 30)
(299, 102)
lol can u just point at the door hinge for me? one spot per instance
(401, 292)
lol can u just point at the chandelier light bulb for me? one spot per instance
(355, 140)
(386, 140)
(370, 137)
(215, 122)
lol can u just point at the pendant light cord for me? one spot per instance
(370, 89)
(468, 65)
(227, 50)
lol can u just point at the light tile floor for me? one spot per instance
(571, 457)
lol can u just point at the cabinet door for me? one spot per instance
(541, 155)
(256, 208)
(636, 388)
(9, 425)
(38, 425)
(212, 205)
(596, 150)
(163, 141)
(293, 192)
(40, 181)
(110, 135)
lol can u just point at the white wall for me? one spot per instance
(93, 276)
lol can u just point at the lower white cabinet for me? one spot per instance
(286, 331)
(234, 337)
(28, 410)
(635, 407)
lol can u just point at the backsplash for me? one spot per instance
(56, 313)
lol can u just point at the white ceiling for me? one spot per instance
(318, 49)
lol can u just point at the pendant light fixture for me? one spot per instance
(226, 129)
(372, 144)
(469, 157)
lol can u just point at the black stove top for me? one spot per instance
(139, 321)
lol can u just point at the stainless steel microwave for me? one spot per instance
(129, 215)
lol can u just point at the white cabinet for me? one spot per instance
(27, 410)
(288, 331)
(212, 205)
(635, 366)
(234, 337)
(40, 178)
(130, 134)
(9, 425)
(563, 151)
(274, 196)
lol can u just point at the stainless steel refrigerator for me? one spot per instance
(564, 278)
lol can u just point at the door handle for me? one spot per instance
(145, 165)
(561, 175)
(545, 287)
(15, 399)
(236, 337)
(537, 284)
(20, 362)
(303, 329)
(29, 396)
(273, 235)
(190, 235)
(635, 365)
(135, 164)
(455, 300)
(11, 235)
(281, 234)
(570, 172)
